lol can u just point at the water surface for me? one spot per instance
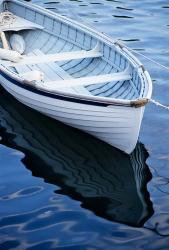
(62, 189)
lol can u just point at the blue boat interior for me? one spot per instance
(58, 36)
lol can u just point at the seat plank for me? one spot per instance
(64, 56)
(85, 81)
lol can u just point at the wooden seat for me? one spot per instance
(86, 81)
(64, 56)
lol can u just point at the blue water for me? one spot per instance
(62, 189)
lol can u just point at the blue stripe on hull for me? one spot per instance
(53, 95)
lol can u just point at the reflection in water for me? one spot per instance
(105, 180)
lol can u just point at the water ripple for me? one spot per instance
(71, 205)
(24, 192)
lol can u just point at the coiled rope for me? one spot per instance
(6, 18)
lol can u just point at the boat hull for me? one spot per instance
(116, 125)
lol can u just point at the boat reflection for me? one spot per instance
(105, 180)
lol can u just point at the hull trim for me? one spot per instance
(63, 97)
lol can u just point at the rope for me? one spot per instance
(151, 60)
(159, 104)
(6, 18)
(159, 64)
(146, 57)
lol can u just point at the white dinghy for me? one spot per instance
(73, 73)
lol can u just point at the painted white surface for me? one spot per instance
(64, 56)
(118, 126)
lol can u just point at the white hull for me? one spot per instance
(116, 125)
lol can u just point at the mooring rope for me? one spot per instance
(162, 66)
(159, 104)
(140, 54)
(151, 60)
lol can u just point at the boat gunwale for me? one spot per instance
(77, 98)
(101, 38)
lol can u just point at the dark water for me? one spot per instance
(62, 189)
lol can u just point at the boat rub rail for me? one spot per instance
(72, 97)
